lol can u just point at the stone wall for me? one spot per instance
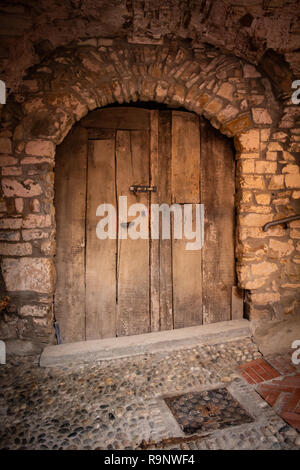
(237, 97)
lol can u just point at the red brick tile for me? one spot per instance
(293, 419)
(271, 397)
(248, 378)
(284, 396)
(283, 363)
(293, 402)
(258, 371)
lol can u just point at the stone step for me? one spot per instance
(162, 341)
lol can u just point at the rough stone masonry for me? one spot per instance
(230, 61)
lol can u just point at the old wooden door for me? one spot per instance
(124, 286)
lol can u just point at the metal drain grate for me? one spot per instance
(207, 411)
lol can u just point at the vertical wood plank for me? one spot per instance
(187, 285)
(237, 303)
(154, 244)
(70, 193)
(187, 269)
(217, 193)
(185, 157)
(100, 254)
(164, 195)
(132, 158)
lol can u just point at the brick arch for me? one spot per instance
(233, 95)
(75, 81)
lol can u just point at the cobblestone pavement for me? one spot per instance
(120, 404)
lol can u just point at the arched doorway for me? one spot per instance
(122, 286)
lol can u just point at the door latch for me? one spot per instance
(138, 188)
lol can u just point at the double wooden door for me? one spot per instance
(123, 286)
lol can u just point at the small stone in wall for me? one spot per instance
(263, 166)
(247, 141)
(36, 221)
(7, 160)
(276, 182)
(295, 233)
(28, 188)
(19, 204)
(263, 198)
(292, 180)
(265, 297)
(48, 247)
(11, 171)
(12, 223)
(35, 310)
(261, 116)
(290, 168)
(34, 234)
(226, 91)
(12, 236)
(34, 205)
(264, 269)
(15, 249)
(250, 71)
(5, 145)
(279, 249)
(253, 182)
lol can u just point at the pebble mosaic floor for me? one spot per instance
(207, 411)
(120, 404)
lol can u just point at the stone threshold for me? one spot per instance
(162, 341)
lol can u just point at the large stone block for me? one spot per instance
(15, 249)
(40, 148)
(264, 269)
(254, 220)
(28, 274)
(248, 141)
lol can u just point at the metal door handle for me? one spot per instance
(140, 188)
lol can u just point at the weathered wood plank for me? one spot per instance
(187, 285)
(118, 118)
(217, 195)
(185, 157)
(237, 303)
(186, 265)
(154, 244)
(70, 193)
(132, 158)
(164, 196)
(100, 254)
